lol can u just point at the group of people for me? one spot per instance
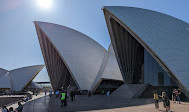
(19, 109)
(165, 99)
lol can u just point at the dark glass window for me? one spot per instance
(161, 79)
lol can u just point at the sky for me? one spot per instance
(19, 44)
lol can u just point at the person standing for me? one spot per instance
(177, 93)
(72, 96)
(102, 91)
(174, 96)
(57, 93)
(4, 109)
(36, 93)
(11, 109)
(50, 94)
(156, 101)
(89, 94)
(166, 102)
(108, 93)
(63, 99)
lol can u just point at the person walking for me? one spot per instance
(166, 102)
(20, 107)
(63, 99)
(156, 101)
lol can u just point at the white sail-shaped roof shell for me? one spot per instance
(84, 58)
(34, 85)
(3, 71)
(166, 38)
(4, 79)
(112, 70)
(22, 76)
(80, 53)
(109, 69)
(17, 79)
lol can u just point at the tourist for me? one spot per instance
(102, 91)
(36, 93)
(177, 93)
(63, 99)
(89, 94)
(174, 96)
(156, 101)
(50, 94)
(57, 93)
(72, 96)
(20, 107)
(11, 109)
(45, 93)
(4, 109)
(108, 93)
(166, 102)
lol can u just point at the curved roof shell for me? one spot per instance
(166, 38)
(81, 55)
(3, 71)
(22, 76)
(84, 58)
(112, 70)
(34, 85)
(5, 80)
(109, 69)
(17, 79)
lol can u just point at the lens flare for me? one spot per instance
(45, 4)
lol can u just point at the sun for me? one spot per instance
(45, 4)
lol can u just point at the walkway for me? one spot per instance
(98, 104)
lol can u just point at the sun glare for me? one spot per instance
(45, 4)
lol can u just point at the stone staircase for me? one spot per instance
(129, 91)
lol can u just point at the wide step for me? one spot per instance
(129, 90)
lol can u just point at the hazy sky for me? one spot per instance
(19, 45)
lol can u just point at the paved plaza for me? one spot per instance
(99, 104)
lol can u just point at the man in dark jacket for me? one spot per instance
(20, 107)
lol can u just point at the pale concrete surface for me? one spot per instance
(12, 96)
(99, 104)
(15, 105)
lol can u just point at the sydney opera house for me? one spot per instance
(19, 79)
(74, 60)
(150, 47)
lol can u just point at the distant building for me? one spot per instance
(75, 60)
(19, 79)
(151, 47)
